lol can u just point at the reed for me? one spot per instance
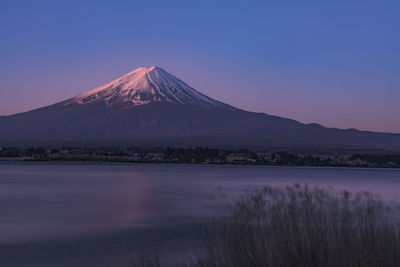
(299, 226)
(304, 227)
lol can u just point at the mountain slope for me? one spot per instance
(149, 106)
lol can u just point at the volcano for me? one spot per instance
(149, 106)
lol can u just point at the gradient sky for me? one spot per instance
(336, 63)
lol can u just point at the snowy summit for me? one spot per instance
(146, 85)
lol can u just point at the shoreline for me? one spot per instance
(30, 160)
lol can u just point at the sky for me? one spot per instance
(336, 63)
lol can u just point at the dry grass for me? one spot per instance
(303, 227)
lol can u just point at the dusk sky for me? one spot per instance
(336, 63)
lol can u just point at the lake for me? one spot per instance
(103, 214)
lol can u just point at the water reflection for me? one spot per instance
(70, 208)
(41, 202)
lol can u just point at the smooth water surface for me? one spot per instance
(100, 214)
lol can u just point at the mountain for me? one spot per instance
(149, 106)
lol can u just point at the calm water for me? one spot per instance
(76, 214)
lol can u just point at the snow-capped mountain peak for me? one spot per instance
(143, 86)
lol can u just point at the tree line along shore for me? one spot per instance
(203, 155)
